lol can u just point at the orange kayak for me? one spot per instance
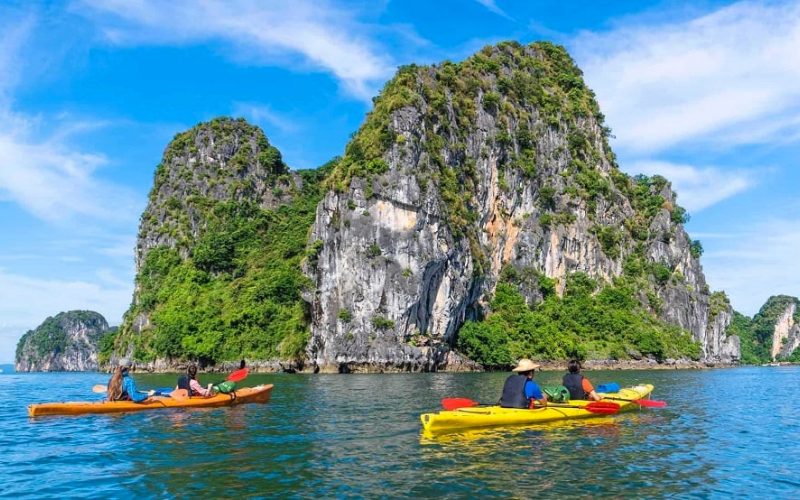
(258, 394)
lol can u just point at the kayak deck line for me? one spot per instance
(447, 421)
(258, 394)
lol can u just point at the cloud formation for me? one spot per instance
(708, 79)
(754, 264)
(492, 6)
(697, 188)
(42, 172)
(327, 37)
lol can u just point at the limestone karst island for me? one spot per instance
(478, 216)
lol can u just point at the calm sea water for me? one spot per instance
(730, 432)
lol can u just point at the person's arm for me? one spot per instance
(588, 388)
(199, 389)
(534, 393)
(130, 388)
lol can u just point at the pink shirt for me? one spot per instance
(199, 389)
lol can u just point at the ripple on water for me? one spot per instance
(359, 436)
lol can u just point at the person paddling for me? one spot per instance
(579, 386)
(122, 387)
(520, 391)
(192, 386)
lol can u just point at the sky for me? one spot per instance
(705, 93)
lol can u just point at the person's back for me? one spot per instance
(192, 386)
(514, 392)
(519, 390)
(122, 387)
(579, 386)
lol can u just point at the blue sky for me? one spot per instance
(705, 93)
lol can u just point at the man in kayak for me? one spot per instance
(122, 387)
(520, 391)
(578, 385)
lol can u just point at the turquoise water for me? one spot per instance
(730, 432)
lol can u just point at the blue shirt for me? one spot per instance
(532, 390)
(129, 387)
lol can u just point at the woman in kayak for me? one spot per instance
(192, 386)
(578, 385)
(122, 387)
(520, 391)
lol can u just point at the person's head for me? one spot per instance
(125, 364)
(574, 366)
(192, 370)
(114, 388)
(241, 365)
(526, 367)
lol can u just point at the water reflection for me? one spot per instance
(359, 436)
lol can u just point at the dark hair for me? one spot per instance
(192, 370)
(241, 365)
(574, 366)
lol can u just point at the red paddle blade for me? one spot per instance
(603, 407)
(650, 403)
(238, 375)
(456, 403)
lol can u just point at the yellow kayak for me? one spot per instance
(494, 416)
(258, 394)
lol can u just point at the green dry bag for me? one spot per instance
(226, 387)
(556, 393)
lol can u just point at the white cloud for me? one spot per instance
(43, 173)
(53, 180)
(263, 114)
(697, 188)
(25, 302)
(708, 79)
(492, 6)
(754, 264)
(326, 37)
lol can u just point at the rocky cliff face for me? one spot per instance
(68, 341)
(786, 333)
(224, 161)
(464, 170)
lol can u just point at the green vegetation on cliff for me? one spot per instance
(238, 293)
(609, 324)
(50, 338)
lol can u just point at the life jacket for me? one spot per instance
(574, 382)
(514, 392)
(183, 383)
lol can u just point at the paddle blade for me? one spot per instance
(456, 403)
(650, 403)
(602, 407)
(238, 375)
(99, 389)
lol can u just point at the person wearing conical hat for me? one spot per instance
(520, 391)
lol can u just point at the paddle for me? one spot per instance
(649, 403)
(601, 407)
(238, 375)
